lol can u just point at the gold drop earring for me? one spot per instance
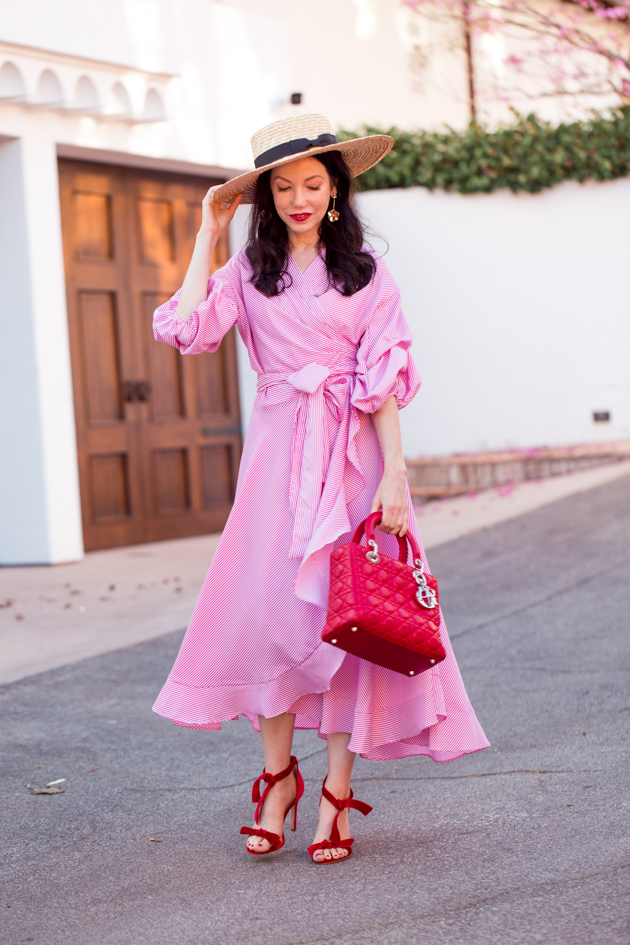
(333, 215)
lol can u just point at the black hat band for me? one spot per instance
(296, 146)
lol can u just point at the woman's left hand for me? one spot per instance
(391, 496)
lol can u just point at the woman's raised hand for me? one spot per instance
(216, 217)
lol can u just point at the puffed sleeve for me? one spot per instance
(209, 322)
(385, 367)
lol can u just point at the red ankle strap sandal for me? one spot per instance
(335, 839)
(277, 841)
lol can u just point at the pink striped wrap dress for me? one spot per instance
(310, 468)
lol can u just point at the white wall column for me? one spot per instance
(40, 514)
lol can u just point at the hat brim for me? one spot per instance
(360, 154)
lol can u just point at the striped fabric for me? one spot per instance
(310, 468)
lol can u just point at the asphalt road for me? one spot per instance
(526, 842)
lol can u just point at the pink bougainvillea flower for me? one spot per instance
(612, 13)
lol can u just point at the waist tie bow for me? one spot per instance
(319, 387)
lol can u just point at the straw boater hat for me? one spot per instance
(302, 136)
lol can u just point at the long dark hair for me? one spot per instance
(350, 267)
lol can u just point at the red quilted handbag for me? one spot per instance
(383, 610)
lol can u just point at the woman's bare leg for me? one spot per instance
(340, 762)
(277, 739)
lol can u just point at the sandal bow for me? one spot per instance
(335, 838)
(275, 840)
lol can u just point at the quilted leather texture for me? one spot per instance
(380, 600)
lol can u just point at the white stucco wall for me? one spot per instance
(520, 310)
(219, 74)
(224, 69)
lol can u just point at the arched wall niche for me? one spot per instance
(119, 102)
(86, 97)
(112, 102)
(154, 107)
(49, 90)
(12, 85)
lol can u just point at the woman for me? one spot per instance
(320, 316)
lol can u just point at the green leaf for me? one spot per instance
(528, 156)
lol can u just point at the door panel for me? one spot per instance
(166, 366)
(99, 348)
(93, 225)
(109, 487)
(216, 474)
(157, 234)
(212, 394)
(158, 434)
(170, 477)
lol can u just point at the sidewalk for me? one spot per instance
(53, 616)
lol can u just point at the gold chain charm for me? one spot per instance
(333, 215)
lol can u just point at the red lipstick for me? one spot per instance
(300, 217)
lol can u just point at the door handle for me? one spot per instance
(129, 392)
(136, 392)
(143, 389)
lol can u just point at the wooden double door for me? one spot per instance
(159, 435)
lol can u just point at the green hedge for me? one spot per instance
(528, 156)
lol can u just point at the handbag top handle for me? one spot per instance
(368, 527)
